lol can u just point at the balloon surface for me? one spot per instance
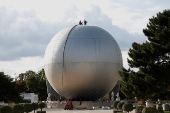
(82, 62)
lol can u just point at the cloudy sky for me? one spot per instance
(27, 26)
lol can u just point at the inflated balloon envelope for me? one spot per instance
(82, 62)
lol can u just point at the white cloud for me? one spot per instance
(125, 63)
(147, 2)
(125, 56)
(27, 35)
(156, 8)
(121, 12)
(22, 65)
(123, 17)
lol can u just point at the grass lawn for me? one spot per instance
(166, 111)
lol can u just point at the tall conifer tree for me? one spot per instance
(152, 59)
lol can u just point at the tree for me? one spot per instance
(115, 104)
(6, 109)
(120, 105)
(41, 105)
(8, 89)
(35, 106)
(32, 83)
(23, 76)
(152, 59)
(127, 107)
(42, 85)
(150, 110)
(36, 83)
(139, 109)
(28, 108)
(136, 84)
(158, 32)
(21, 82)
(18, 108)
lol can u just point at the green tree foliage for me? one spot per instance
(32, 83)
(35, 106)
(21, 82)
(127, 107)
(139, 109)
(18, 108)
(115, 103)
(120, 105)
(41, 105)
(28, 108)
(149, 110)
(152, 60)
(41, 111)
(6, 109)
(36, 83)
(8, 89)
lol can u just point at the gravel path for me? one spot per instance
(56, 110)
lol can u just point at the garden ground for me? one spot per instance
(60, 110)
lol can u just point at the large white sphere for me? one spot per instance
(82, 62)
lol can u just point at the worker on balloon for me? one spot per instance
(80, 23)
(85, 22)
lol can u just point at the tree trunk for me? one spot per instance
(41, 109)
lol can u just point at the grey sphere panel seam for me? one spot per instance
(63, 55)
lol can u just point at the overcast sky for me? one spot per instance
(26, 27)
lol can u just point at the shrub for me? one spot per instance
(117, 111)
(131, 102)
(139, 109)
(115, 104)
(27, 108)
(18, 108)
(120, 105)
(41, 105)
(25, 101)
(127, 107)
(41, 111)
(6, 109)
(149, 110)
(34, 106)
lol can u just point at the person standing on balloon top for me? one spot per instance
(85, 22)
(80, 23)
